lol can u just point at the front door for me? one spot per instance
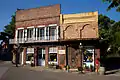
(41, 56)
(88, 57)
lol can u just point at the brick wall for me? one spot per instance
(38, 16)
(79, 30)
(79, 26)
(62, 57)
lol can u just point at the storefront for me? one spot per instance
(29, 55)
(88, 57)
(41, 56)
(53, 55)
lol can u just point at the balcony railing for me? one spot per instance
(33, 39)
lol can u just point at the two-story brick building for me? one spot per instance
(51, 37)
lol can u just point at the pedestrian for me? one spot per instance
(97, 65)
(17, 58)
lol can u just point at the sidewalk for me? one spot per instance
(39, 68)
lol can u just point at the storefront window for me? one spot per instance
(53, 57)
(88, 56)
(29, 56)
(53, 54)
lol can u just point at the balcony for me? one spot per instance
(34, 40)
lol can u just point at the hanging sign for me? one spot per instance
(61, 51)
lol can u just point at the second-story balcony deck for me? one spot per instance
(34, 40)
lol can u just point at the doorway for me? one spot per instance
(88, 57)
(41, 56)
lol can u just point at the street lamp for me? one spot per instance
(81, 47)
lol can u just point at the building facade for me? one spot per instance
(80, 33)
(54, 38)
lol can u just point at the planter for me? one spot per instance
(102, 70)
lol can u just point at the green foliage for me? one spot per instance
(109, 31)
(10, 28)
(113, 4)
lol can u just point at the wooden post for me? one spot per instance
(24, 56)
(46, 56)
(35, 56)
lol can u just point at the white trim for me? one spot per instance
(31, 27)
(20, 28)
(25, 35)
(51, 62)
(28, 62)
(41, 26)
(33, 34)
(52, 25)
(16, 34)
(36, 33)
(22, 58)
(57, 31)
(53, 52)
(45, 33)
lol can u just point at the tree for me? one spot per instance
(10, 28)
(113, 4)
(115, 42)
(105, 28)
(109, 31)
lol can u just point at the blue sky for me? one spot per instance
(8, 7)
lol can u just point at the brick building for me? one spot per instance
(51, 37)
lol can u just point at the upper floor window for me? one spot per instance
(20, 33)
(53, 33)
(41, 33)
(29, 33)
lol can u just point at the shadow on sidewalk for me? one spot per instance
(112, 72)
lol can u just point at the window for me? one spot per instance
(29, 56)
(53, 33)
(53, 57)
(40, 33)
(20, 33)
(29, 33)
(88, 55)
(30, 53)
(53, 54)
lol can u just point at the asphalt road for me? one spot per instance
(20, 73)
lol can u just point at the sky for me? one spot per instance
(8, 8)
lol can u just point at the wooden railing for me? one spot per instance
(33, 40)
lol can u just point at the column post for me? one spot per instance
(25, 34)
(48, 33)
(45, 32)
(24, 55)
(36, 33)
(35, 56)
(23, 37)
(46, 55)
(33, 33)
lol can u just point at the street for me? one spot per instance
(10, 72)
